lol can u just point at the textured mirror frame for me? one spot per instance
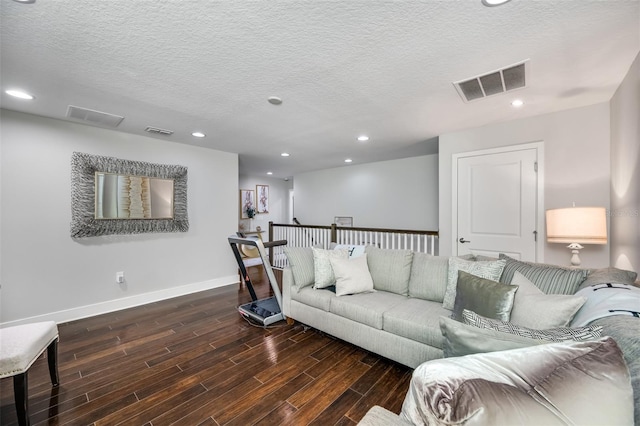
(83, 222)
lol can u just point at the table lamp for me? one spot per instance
(577, 226)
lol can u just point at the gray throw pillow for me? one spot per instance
(390, 269)
(461, 339)
(550, 279)
(609, 276)
(486, 297)
(301, 263)
(428, 277)
(534, 309)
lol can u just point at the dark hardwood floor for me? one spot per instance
(193, 360)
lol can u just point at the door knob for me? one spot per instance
(462, 240)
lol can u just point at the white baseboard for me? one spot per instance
(124, 303)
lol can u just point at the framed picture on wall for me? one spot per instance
(346, 221)
(262, 192)
(247, 204)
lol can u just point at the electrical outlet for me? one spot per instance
(120, 277)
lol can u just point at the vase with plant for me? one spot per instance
(251, 212)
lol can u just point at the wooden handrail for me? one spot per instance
(311, 235)
(351, 228)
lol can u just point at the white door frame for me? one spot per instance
(539, 146)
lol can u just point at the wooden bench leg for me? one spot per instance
(52, 360)
(21, 394)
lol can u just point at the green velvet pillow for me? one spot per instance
(488, 298)
(488, 270)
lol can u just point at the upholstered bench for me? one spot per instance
(20, 346)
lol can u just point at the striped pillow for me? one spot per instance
(559, 334)
(487, 270)
(550, 279)
(301, 263)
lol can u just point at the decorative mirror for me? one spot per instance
(114, 196)
(132, 197)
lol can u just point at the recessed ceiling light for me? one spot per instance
(274, 100)
(269, 173)
(517, 103)
(348, 160)
(363, 138)
(285, 154)
(25, 1)
(491, 3)
(19, 94)
(198, 134)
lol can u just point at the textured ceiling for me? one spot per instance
(342, 68)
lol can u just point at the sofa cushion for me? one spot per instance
(486, 297)
(551, 279)
(366, 308)
(390, 269)
(488, 270)
(318, 298)
(416, 319)
(559, 334)
(534, 309)
(459, 339)
(428, 279)
(322, 269)
(352, 275)
(301, 262)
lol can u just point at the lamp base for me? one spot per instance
(575, 259)
(575, 249)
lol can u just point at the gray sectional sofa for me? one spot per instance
(401, 319)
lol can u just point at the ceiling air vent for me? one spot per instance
(158, 131)
(93, 116)
(495, 82)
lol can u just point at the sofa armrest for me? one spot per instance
(288, 285)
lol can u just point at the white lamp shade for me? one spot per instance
(582, 225)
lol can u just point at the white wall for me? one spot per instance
(278, 201)
(398, 194)
(624, 236)
(576, 156)
(46, 274)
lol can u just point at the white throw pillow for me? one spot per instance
(483, 269)
(322, 269)
(352, 275)
(533, 308)
(354, 251)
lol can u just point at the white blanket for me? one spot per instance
(604, 300)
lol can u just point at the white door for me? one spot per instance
(497, 204)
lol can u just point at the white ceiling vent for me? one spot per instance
(93, 116)
(495, 82)
(158, 131)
